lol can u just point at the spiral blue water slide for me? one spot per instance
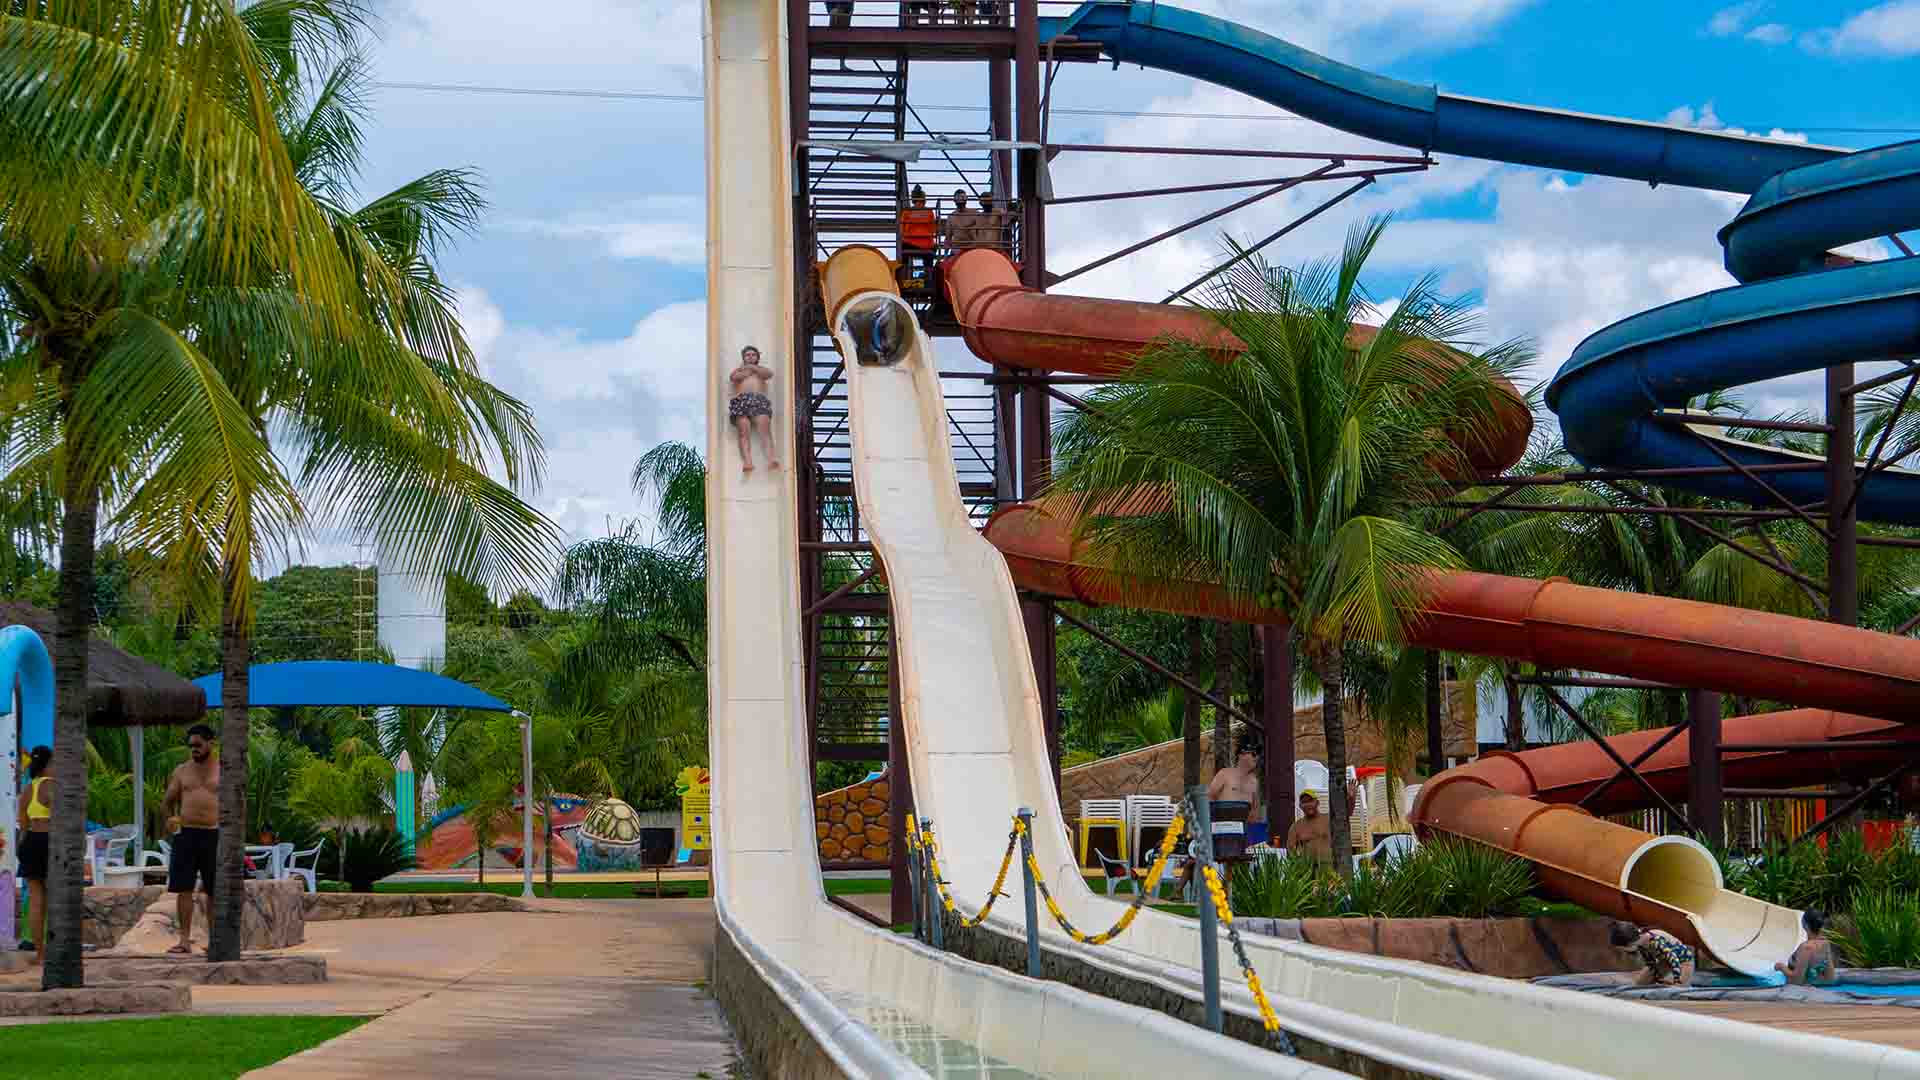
(1791, 314)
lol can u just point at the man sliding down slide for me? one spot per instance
(750, 408)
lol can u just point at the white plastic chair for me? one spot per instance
(1117, 871)
(305, 873)
(1146, 812)
(1397, 846)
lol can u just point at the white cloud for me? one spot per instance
(600, 403)
(1772, 33)
(1706, 119)
(1368, 30)
(1887, 30)
(670, 228)
(1729, 21)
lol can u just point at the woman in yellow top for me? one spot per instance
(35, 818)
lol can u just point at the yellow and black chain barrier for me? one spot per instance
(919, 837)
(1142, 889)
(1217, 892)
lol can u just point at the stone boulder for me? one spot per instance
(852, 824)
(98, 1000)
(142, 920)
(331, 907)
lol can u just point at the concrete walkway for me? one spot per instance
(577, 988)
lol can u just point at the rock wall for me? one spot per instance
(1509, 948)
(852, 823)
(331, 907)
(273, 917)
(1155, 770)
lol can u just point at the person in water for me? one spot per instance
(35, 819)
(1812, 963)
(750, 409)
(1666, 960)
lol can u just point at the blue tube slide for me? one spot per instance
(1791, 313)
(24, 656)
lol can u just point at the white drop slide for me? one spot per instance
(977, 752)
(813, 957)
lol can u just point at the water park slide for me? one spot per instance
(976, 751)
(1611, 394)
(814, 990)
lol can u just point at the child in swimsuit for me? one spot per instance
(1812, 963)
(1669, 962)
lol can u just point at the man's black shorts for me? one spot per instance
(195, 853)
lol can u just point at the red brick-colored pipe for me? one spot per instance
(1007, 324)
(1554, 625)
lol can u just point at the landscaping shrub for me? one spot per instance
(1788, 876)
(1844, 869)
(1472, 881)
(1442, 878)
(1881, 930)
(372, 855)
(1294, 887)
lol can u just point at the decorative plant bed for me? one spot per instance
(195, 970)
(141, 920)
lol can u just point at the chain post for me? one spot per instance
(1033, 902)
(1201, 815)
(915, 875)
(936, 921)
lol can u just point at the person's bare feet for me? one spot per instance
(773, 464)
(746, 466)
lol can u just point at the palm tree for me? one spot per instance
(1294, 476)
(390, 431)
(142, 160)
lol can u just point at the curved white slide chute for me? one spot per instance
(839, 981)
(978, 752)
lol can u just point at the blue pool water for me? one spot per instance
(1898, 990)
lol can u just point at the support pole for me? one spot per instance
(1704, 788)
(1436, 714)
(1209, 921)
(1033, 900)
(137, 851)
(1026, 94)
(526, 807)
(899, 786)
(1276, 706)
(1843, 552)
(936, 928)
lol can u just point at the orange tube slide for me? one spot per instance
(1506, 800)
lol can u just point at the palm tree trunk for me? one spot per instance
(1516, 714)
(73, 627)
(230, 876)
(480, 845)
(1190, 727)
(1339, 817)
(548, 818)
(1222, 689)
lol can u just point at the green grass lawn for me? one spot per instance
(166, 1048)
(604, 890)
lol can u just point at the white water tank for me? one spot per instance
(413, 614)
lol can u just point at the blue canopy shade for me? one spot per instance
(351, 684)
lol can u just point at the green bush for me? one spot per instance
(1844, 869)
(1442, 878)
(1787, 876)
(1294, 887)
(1466, 880)
(1400, 888)
(372, 855)
(1882, 930)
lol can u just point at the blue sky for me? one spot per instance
(584, 290)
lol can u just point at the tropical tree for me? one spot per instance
(390, 431)
(143, 161)
(1295, 476)
(346, 793)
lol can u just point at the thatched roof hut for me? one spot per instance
(122, 689)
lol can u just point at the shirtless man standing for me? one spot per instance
(750, 408)
(1309, 833)
(193, 816)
